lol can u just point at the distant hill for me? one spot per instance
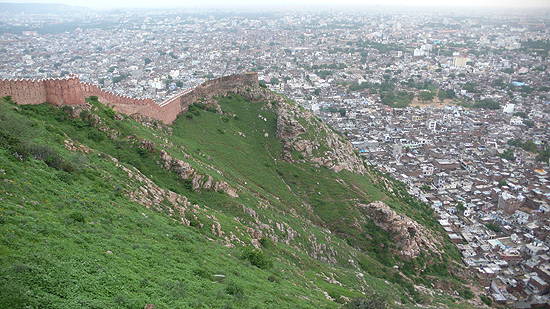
(40, 8)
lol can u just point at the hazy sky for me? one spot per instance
(196, 3)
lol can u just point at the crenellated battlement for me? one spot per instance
(70, 91)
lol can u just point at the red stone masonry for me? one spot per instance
(70, 91)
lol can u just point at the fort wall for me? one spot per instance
(70, 91)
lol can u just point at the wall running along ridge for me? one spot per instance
(70, 91)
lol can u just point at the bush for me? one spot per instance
(234, 289)
(266, 242)
(77, 216)
(20, 152)
(486, 300)
(372, 301)
(110, 113)
(466, 294)
(256, 258)
(200, 105)
(54, 161)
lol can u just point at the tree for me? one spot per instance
(508, 154)
(450, 93)
(274, 81)
(147, 60)
(521, 114)
(470, 87)
(442, 95)
(486, 103)
(425, 188)
(529, 146)
(342, 112)
(460, 207)
(425, 96)
(499, 82)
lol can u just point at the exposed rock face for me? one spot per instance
(186, 171)
(301, 131)
(407, 233)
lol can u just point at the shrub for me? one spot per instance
(77, 216)
(486, 300)
(95, 136)
(54, 161)
(372, 301)
(256, 258)
(266, 242)
(273, 279)
(84, 114)
(200, 105)
(41, 152)
(234, 289)
(466, 294)
(20, 152)
(110, 113)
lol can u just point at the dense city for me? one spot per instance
(455, 104)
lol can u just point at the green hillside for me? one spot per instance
(100, 210)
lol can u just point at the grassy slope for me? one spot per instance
(58, 224)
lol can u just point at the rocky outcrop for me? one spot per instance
(186, 172)
(408, 234)
(299, 130)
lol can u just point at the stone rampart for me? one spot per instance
(70, 91)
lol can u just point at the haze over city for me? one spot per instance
(105, 4)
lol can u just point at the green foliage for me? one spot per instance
(493, 227)
(372, 301)
(527, 145)
(544, 155)
(508, 154)
(266, 242)
(441, 95)
(466, 294)
(450, 93)
(235, 289)
(486, 103)
(256, 257)
(425, 96)
(77, 216)
(486, 300)
(110, 113)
